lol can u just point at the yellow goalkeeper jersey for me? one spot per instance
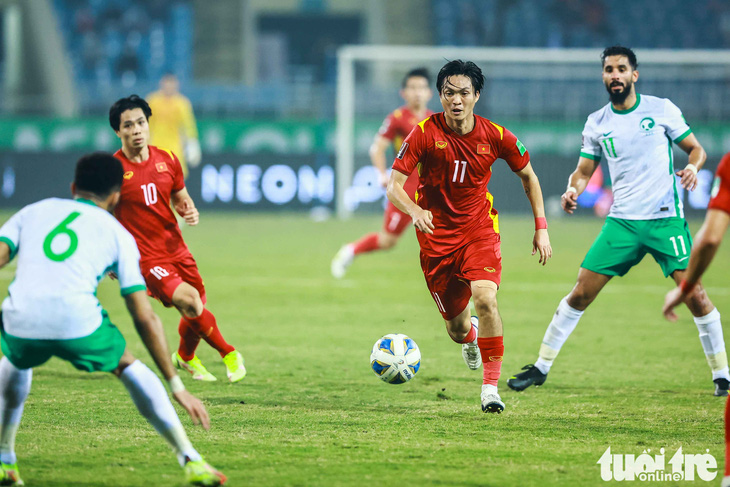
(171, 124)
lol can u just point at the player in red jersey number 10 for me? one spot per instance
(458, 227)
(153, 182)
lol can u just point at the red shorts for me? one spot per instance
(163, 278)
(449, 277)
(394, 220)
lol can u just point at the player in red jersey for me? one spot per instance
(706, 243)
(458, 227)
(153, 180)
(416, 93)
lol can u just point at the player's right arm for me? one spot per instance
(377, 157)
(422, 219)
(149, 327)
(577, 183)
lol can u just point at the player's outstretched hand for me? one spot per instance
(689, 177)
(569, 201)
(423, 220)
(194, 407)
(671, 301)
(541, 243)
(190, 213)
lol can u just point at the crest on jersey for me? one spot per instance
(440, 144)
(128, 175)
(647, 124)
(402, 151)
(161, 167)
(483, 148)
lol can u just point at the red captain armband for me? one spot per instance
(540, 223)
(686, 287)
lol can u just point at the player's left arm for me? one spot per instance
(707, 241)
(185, 207)
(541, 240)
(697, 158)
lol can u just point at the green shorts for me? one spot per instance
(100, 351)
(623, 243)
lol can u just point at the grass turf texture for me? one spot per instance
(311, 412)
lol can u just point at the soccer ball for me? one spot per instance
(395, 358)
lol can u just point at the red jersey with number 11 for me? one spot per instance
(144, 208)
(454, 171)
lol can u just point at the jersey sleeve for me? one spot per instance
(10, 233)
(513, 151)
(590, 147)
(127, 266)
(178, 179)
(720, 194)
(674, 123)
(411, 151)
(388, 128)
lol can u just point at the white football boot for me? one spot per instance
(470, 351)
(491, 402)
(342, 261)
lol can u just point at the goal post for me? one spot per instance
(535, 85)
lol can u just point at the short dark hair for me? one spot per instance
(620, 51)
(98, 173)
(416, 73)
(459, 67)
(129, 103)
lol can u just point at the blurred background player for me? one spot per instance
(63, 246)
(416, 92)
(153, 181)
(707, 241)
(635, 133)
(458, 225)
(173, 127)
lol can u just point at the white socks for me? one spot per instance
(564, 322)
(150, 397)
(713, 343)
(14, 389)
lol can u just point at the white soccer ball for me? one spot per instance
(395, 358)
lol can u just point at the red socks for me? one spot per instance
(368, 243)
(470, 337)
(492, 350)
(204, 326)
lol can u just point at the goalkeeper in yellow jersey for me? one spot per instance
(173, 126)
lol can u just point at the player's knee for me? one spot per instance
(580, 298)
(124, 362)
(387, 240)
(485, 303)
(188, 301)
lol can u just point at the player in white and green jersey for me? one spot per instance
(634, 133)
(64, 248)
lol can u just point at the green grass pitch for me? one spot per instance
(312, 413)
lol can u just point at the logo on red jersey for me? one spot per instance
(128, 175)
(483, 149)
(490, 269)
(440, 144)
(402, 151)
(161, 167)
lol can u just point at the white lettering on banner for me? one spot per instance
(700, 197)
(247, 183)
(217, 183)
(645, 467)
(316, 186)
(365, 188)
(278, 184)
(8, 182)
